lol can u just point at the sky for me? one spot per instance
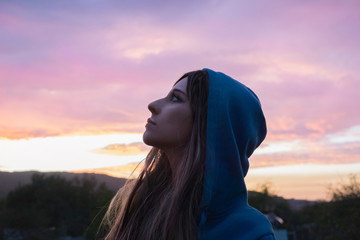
(76, 78)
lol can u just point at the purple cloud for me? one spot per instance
(96, 65)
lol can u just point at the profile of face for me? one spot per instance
(171, 120)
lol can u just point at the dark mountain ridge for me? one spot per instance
(11, 180)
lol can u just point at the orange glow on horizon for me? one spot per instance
(304, 185)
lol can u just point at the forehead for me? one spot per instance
(181, 85)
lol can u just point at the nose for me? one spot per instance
(154, 107)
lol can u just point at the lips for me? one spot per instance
(151, 121)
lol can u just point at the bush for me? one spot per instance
(54, 206)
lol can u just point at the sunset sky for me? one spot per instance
(76, 77)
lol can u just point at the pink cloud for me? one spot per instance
(311, 151)
(66, 70)
(310, 107)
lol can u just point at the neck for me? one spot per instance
(175, 156)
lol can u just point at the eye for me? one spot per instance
(174, 98)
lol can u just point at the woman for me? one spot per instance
(192, 185)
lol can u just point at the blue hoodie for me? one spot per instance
(235, 128)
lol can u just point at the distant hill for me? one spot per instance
(11, 180)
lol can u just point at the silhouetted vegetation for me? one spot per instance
(336, 219)
(52, 206)
(332, 220)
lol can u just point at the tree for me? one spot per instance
(345, 210)
(336, 219)
(53, 206)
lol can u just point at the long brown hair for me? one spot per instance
(163, 205)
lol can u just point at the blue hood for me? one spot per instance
(235, 128)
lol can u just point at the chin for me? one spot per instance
(148, 140)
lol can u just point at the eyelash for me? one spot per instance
(177, 99)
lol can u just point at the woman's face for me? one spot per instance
(171, 119)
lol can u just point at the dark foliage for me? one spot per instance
(332, 220)
(53, 206)
(337, 219)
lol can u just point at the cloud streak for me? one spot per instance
(124, 149)
(91, 67)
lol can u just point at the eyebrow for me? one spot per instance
(178, 90)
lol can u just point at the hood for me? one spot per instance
(235, 128)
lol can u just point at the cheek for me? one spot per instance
(173, 130)
(181, 127)
(185, 127)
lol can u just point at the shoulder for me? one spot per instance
(251, 218)
(251, 224)
(243, 222)
(257, 225)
